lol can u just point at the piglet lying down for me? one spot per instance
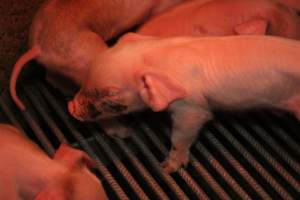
(226, 17)
(190, 77)
(27, 173)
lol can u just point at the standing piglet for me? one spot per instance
(66, 35)
(225, 17)
(190, 77)
(27, 173)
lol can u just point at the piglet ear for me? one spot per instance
(159, 90)
(252, 27)
(73, 158)
(130, 37)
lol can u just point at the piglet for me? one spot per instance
(225, 17)
(26, 172)
(190, 77)
(66, 35)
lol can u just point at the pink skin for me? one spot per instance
(28, 173)
(190, 77)
(67, 35)
(226, 17)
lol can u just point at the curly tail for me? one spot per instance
(29, 55)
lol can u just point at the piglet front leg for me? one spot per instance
(187, 120)
(114, 128)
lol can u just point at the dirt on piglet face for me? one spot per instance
(94, 104)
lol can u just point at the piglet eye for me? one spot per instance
(92, 110)
(91, 107)
(113, 107)
(95, 115)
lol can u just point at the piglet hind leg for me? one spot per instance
(187, 121)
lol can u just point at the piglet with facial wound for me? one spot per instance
(190, 77)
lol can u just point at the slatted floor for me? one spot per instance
(253, 155)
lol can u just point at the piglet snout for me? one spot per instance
(73, 110)
(71, 107)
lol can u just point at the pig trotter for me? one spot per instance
(113, 128)
(175, 160)
(187, 120)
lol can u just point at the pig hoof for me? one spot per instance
(171, 165)
(118, 132)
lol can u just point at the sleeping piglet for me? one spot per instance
(190, 77)
(67, 35)
(26, 172)
(225, 17)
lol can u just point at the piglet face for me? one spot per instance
(95, 104)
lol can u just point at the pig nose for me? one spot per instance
(73, 110)
(71, 107)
